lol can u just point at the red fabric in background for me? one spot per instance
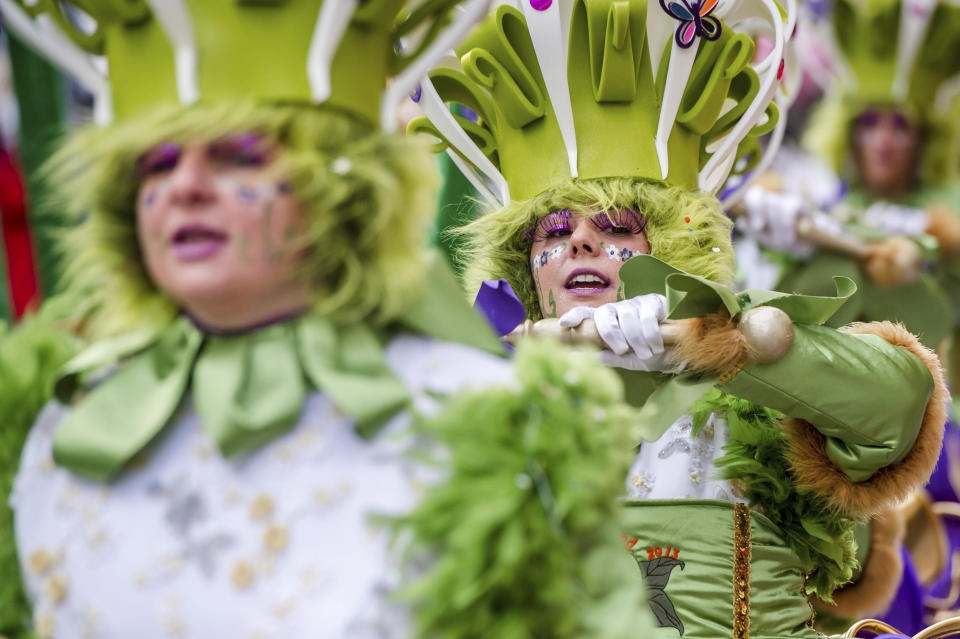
(18, 246)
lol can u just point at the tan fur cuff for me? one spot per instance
(815, 472)
(872, 594)
(711, 344)
(945, 227)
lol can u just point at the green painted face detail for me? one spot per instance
(553, 305)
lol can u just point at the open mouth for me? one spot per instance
(586, 282)
(195, 241)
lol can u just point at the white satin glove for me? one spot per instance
(771, 219)
(630, 329)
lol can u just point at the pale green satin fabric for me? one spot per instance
(692, 296)
(248, 389)
(701, 591)
(867, 396)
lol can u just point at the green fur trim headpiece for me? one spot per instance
(338, 53)
(497, 245)
(606, 88)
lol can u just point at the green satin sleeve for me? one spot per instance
(865, 395)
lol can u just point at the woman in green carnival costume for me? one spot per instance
(601, 149)
(271, 353)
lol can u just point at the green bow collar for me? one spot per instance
(249, 388)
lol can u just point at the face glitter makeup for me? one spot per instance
(246, 194)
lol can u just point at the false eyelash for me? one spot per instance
(620, 218)
(547, 224)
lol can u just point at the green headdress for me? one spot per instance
(338, 53)
(599, 103)
(892, 53)
(606, 88)
(189, 71)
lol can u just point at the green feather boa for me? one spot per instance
(30, 357)
(821, 537)
(524, 535)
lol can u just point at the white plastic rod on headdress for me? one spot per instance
(660, 27)
(678, 73)
(332, 23)
(45, 37)
(948, 95)
(544, 23)
(790, 86)
(773, 146)
(468, 14)
(439, 115)
(822, 61)
(174, 19)
(711, 177)
(914, 21)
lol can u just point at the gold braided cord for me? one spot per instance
(742, 551)
(870, 625)
(942, 630)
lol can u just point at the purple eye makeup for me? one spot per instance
(616, 222)
(556, 224)
(162, 158)
(868, 118)
(241, 150)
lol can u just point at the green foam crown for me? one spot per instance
(613, 92)
(898, 51)
(334, 52)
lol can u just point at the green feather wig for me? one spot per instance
(496, 245)
(367, 196)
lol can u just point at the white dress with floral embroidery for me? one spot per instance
(680, 465)
(277, 544)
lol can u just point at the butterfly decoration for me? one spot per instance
(695, 20)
